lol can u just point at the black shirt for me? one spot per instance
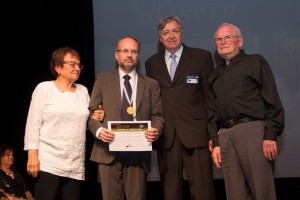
(246, 87)
(14, 186)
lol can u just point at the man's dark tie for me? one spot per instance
(173, 66)
(124, 115)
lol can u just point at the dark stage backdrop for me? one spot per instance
(269, 27)
(32, 31)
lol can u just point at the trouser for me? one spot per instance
(247, 173)
(124, 178)
(197, 164)
(53, 187)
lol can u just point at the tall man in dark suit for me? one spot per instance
(184, 144)
(124, 174)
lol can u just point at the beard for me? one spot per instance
(128, 68)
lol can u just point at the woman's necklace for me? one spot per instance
(10, 173)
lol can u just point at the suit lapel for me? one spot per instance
(163, 67)
(183, 64)
(140, 88)
(115, 85)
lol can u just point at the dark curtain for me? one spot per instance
(31, 31)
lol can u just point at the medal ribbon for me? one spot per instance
(130, 100)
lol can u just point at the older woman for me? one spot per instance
(55, 132)
(11, 182)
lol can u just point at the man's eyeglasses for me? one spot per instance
(226, 38)
(73, 64)
(127, 51)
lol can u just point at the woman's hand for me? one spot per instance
(98, 114)
(33, 163)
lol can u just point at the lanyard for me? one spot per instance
(130, 100)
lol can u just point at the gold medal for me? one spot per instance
(130, 110)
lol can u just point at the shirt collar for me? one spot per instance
(236, 58)
(177, 53)
(132, 74)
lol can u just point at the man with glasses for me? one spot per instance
(125, 95)
(245, 119)
(182, 72)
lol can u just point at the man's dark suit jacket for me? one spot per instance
(184, 102)
(107, 92)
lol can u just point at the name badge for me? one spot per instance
(192, 79)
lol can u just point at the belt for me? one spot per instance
(234, 121)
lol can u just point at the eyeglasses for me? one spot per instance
(226, 38)
(73, 64)
(127, 51)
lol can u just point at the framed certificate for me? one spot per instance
(129, 136)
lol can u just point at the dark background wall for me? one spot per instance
(31, 30)
(269, 27)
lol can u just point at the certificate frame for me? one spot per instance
(129, 136)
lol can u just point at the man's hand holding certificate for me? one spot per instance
(130, 136)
